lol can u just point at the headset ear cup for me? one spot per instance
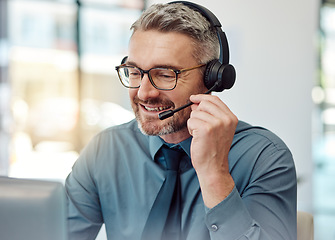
(228, 76)
(210, 75)
(221, 75)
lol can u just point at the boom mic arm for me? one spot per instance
(169, 113)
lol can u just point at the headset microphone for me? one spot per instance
(170, 113)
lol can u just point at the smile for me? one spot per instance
(155, 109)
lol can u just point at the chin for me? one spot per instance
(156, 127)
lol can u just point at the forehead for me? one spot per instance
(153, 48)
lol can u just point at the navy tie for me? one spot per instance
(164, 221)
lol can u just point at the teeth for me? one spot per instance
(156, 109)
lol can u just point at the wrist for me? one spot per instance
(215, 187)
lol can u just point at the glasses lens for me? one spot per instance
(130, 76)
(163, 78)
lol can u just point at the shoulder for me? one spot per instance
(125, 132)
(257, 148)
(257, 152)
(118, 143)
(255, 136)
(128, 127)
(116, 139)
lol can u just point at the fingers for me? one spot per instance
(211, 109)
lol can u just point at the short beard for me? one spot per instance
(171, 125)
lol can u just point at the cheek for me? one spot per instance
(183, 97)
(132, 93)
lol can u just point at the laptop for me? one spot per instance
(32, 210)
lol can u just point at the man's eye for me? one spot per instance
(134, 73)
(167, 76)
(164, 75)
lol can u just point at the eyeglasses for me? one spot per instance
(160, 78)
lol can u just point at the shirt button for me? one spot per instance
(214, 227)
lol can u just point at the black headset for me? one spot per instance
(218, 71)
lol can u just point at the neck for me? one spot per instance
(176, 137)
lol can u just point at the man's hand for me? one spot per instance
(212, 126)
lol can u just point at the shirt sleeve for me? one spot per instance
(84, 214)
(262, 209)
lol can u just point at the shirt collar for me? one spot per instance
(186, 146)
(155, 143)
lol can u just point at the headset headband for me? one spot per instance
(215, 23)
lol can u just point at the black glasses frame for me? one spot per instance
(177, 72)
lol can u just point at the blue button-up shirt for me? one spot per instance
(116, 180)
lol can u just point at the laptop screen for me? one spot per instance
(32, 210)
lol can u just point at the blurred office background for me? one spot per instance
(58, 86)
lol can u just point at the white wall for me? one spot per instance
(273, 48)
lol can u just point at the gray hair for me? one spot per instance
(182, 19)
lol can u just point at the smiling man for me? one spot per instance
(200, 174)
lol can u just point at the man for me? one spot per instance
(236, 181)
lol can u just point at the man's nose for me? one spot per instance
(146, 89)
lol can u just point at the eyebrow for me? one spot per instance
(155, 66)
